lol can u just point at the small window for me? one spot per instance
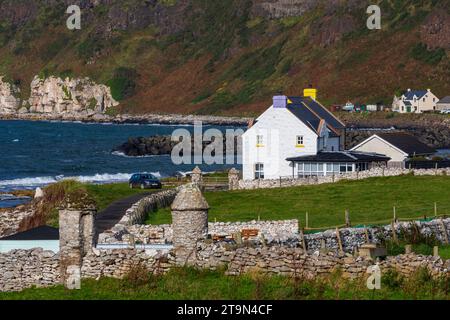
(299, 140)
(259, 140)
(423, 99)
(259, 171)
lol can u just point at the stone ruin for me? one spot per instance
(189, 221)
(76, 236)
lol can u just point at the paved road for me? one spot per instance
(108, 218)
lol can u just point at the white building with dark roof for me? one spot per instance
(293, 127)
(415, 101)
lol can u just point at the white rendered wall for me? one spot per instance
(280, 128)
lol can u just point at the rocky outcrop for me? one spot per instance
(159, 145)
(431, 129)
(9, 102)
(75, 96)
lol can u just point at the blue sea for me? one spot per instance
(35, 154)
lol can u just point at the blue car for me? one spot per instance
(144, 181)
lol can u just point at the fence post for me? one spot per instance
(341, 248)
(347, 218)
(445, 230)
(366, 232)
(395, 214)
(394, 234)
(435, 209)
(307, 221)
(302, 236)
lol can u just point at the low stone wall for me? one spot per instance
(376, 172)
(21, 269)
(11, 220)
(295, 261)
(270, 231)
(137, 214)
(352, 238)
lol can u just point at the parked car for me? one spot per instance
(445, 111)
(144, 181)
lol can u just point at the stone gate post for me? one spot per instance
(197, 176)
(76, 235)
(233, 179)
(189, 222)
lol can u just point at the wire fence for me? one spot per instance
(429, 213)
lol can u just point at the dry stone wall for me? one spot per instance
(12, 219)
(20, 269)
(376, 172)
(136, 215)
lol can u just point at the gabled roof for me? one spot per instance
(313, 114)
(444, 100)
(341, 156)
(39, 233)
(407, 143)
(418, 93)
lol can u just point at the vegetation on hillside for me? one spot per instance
(226, 56)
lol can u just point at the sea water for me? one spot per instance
(38, 153)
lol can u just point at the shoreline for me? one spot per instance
(150, 118)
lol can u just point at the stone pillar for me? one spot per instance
(197, 176)
(233, 179)
(189, 222)
(76, 235)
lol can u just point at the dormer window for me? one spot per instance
(259, 140)
(299, 141)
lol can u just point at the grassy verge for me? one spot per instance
(368, 201)
(105, 194)
(192, 284)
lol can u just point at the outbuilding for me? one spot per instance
(398, 146)
(41, 237)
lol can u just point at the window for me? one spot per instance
(259, 140)
(299, 140)
(259, 171)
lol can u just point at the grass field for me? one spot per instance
(189, 284)
(369, 201)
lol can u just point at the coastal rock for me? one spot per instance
(9, 102)
(73, 96)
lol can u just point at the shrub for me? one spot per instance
(123, 83)
(392, 279)
(433, 57)
(137, 276)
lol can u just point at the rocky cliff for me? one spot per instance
(9, 102)
(75, 96)
(53, 95)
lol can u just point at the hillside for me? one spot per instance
(229, 56)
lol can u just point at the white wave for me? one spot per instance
(96, 179)
(30, 182)
(16, 140)
(121, 154)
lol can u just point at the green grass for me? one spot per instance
(189, 284)
(105, 194)
(369, 201)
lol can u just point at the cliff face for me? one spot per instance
(230, 56)
(9, 103)
(76, 96)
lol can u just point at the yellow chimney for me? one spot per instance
(310, 92)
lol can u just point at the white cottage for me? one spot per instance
(291, 127)
(415, 101)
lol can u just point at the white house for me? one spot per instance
(291, 127)
(398, 146)
(415, 101)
